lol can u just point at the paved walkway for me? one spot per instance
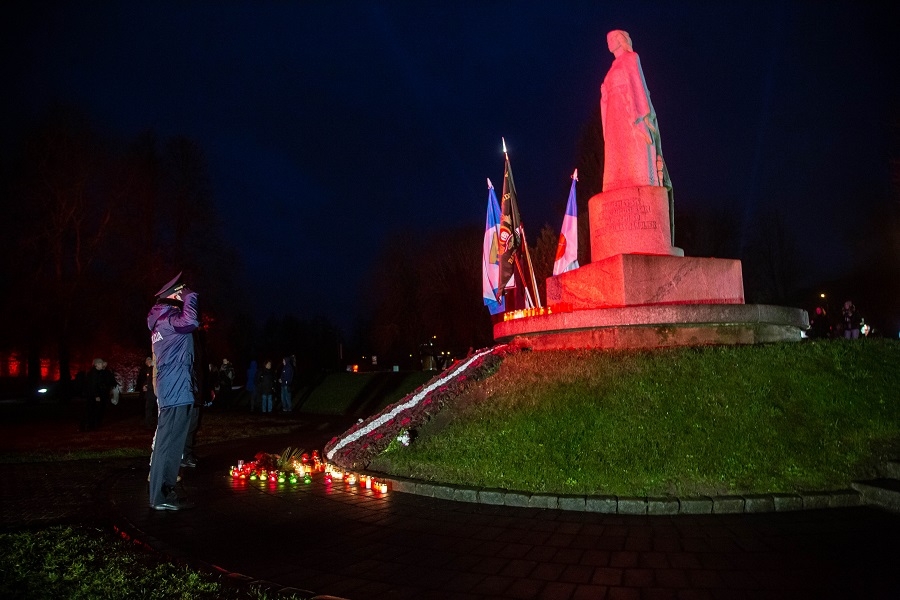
(357, 544)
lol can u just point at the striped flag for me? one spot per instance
(490, 262)
(567, 249)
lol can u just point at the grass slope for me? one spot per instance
(748, 419)
(361, 393)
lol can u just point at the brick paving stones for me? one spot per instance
(358, 544)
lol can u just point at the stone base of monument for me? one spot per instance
(640, 291)
(656, 326)
(640, 279)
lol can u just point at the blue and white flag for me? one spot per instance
(490, 262)
(567, 249)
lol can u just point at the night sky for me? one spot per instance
(328, 125)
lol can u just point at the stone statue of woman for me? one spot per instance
(633, 154)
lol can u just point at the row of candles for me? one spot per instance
(534, 312)
(304, 471)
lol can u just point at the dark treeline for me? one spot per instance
(426, 289)
(92, 228)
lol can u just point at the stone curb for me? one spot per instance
(630, 505)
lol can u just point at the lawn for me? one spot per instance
(689, 421)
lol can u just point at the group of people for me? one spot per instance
(850, 325)
(262, 383)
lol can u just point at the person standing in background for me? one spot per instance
(226, 382)
(95, 396)
(286, 379)
(265, 386)
(852, 321)
(145, 389)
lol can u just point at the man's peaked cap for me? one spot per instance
(170, 287)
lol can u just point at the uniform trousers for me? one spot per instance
(171, 432)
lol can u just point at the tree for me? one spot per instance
(190, 239)
(590, 180)
(428, 288)
(772, 266)
(709, 230)
(64, 210)
(543, 255)
(92, 233)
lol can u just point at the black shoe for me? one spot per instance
(173, 505)
(189, 462)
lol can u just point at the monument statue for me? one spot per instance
(639, 290)
(633, 154)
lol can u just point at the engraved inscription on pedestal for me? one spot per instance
(627, 215)
(630, 220)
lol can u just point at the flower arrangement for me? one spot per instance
(356, 447)
(290, 466)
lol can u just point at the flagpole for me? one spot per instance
(531, 268)
(527, 253)
(523, 279)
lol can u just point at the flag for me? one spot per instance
(490, 263)
(567, 249)
(510, 228)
